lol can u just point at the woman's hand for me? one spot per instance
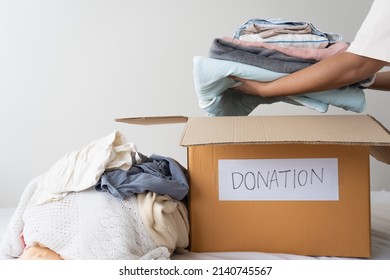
(250, 86)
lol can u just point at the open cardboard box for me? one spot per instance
(280, 184)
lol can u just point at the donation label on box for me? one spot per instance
(278, 179)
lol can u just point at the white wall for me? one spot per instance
(69, 67)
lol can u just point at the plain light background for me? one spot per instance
(68, 68)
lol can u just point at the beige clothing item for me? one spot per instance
(166, 220)
(81, 169)
(266, 32)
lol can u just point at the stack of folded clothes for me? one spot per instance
(265, 50)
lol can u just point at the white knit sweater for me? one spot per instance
(82, 225)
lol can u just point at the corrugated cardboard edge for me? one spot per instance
(380, 152)
(378, 149)
(331, 129)
(153, 120)
(361, 130)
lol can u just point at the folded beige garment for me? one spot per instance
(165, 219)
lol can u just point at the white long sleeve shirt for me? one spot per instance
(373, 38)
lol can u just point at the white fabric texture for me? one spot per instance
(373, 38)
(81, 169)
(83, 225)
(11, 245)
(166, 220)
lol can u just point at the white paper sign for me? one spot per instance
(278, 179)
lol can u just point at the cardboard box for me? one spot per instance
(281, 184)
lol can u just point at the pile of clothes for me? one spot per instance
(103, 201)
(265, 50)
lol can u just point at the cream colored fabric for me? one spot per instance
(165, 219)
(81, 169)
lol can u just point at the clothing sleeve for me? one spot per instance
(373, 38)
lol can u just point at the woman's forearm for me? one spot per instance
(337, 71)
(382, 81)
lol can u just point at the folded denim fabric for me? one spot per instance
(217, 96)
(261, 57)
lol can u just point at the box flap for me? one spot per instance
(318, 129)
(153, 120)
(381, 153)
